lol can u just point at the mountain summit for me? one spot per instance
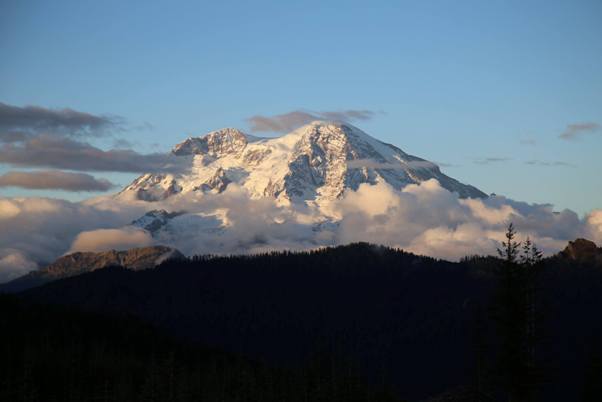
(314, 163)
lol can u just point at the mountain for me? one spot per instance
(313, 164)
(415, 322)
(298, 177)
(135, 259)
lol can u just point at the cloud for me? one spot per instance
(372, 164)
(425, 219)
(594, 225)
(487, 161)
(13, 136)
(122, 143)
(347, 115)
(56, 180)
(33, 136)
(111, 239)
(65, 153)
(535, 162)
(286, 122)
(14, 264)
(445, 164)
(31, 120)
(42, 229)
(576, 130)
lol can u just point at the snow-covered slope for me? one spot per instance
(313, 164)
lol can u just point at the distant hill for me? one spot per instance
(81, 262)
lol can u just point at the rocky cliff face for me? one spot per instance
(315, 163)
(583, 250)
(135, 259)
(81, 262)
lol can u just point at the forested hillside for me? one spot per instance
(57, 354)
(412, 324)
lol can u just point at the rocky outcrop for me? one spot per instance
(78, 263)
(135, 259)
(583, 250)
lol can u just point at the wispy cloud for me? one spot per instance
(286, 122)
(490, 160)
(447, 165)
(576, 130)
(65, 153)
(122, 143)
(18, 122)
(55, 180)
(535, 162)
(372, 164)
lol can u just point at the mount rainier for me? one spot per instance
(313, 164)
(324, 184)
(228, 187)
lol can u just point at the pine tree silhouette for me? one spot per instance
(517, 316)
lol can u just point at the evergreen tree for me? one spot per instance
(510, 248)
(517, 316)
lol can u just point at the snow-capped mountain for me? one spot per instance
(313, 164)
(230, 192)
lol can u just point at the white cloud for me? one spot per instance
(453, 243)
(111, 239)
(594, 221)
(42, 229)
(14, 264)
(425, 219)
(489, 213)
(428, 219)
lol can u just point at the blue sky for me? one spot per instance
(459, 83)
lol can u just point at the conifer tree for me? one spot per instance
(517, 316)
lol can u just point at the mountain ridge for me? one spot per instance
(136, 259)
(74, 264)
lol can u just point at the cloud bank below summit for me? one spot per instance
(425, 219)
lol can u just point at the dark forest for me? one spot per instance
(357, 322)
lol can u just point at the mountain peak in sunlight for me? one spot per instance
(315, 163)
